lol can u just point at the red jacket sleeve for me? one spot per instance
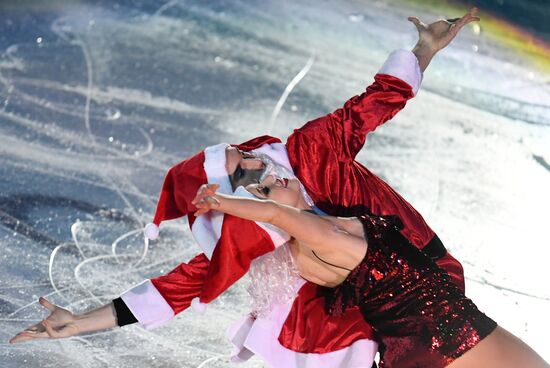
(156, 301)
(183, 283)
(345, 129)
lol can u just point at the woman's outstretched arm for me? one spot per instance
(63, 323)
(318, 233)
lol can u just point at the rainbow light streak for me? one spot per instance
(508, 34)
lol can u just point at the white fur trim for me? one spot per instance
(214, 167)
(198, 306)
(207, 228)
(261, 336)
(238, 332)
(277, 152)
(403, 64)
(147, 305)
(151, 231)
(205, 233)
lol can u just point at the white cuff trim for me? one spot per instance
(198, 306)
(403, 64)
(147, 305)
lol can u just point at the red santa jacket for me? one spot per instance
(322, 154)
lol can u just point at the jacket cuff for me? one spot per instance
(147, 305)
(403, 64)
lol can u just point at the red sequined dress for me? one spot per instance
(420, 317)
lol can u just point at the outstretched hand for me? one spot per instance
(60, 323)
(439, 34)
(204, 199)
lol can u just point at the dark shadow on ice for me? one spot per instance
(14, 214)
(541, 161)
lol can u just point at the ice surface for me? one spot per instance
(97, 101)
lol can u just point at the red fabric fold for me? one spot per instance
(309, 329)
(183, 283)
(180, 186)
(243, 241)
(322, 154)
(454, 269)
(257, 142)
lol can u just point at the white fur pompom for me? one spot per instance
(151, 231)
(197, 306)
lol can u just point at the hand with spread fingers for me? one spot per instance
(439, 34)
(204, 199)
(60, 323)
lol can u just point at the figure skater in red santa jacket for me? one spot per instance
(321, 154)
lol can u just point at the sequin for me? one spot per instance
(428, 323)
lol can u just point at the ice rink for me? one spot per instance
(98, 101)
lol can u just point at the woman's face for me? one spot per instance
(280, 190)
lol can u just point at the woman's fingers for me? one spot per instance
(199, 199)
(473, 19)
(469, 17)
(22, 337)
(199, 195)
(417, 23)
(46, 304)
(204, 191)
(203, 208)
(204, 200)
(212, 202)
(28, 335)
(35, 328)
(29, 332)
(49, 332)
(49, 329)
(54, 326)
(415, 20)
(455, 24)
(211, 188)
(205, 204)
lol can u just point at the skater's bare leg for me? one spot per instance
(500, 349)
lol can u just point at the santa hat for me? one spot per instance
(220, 236)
